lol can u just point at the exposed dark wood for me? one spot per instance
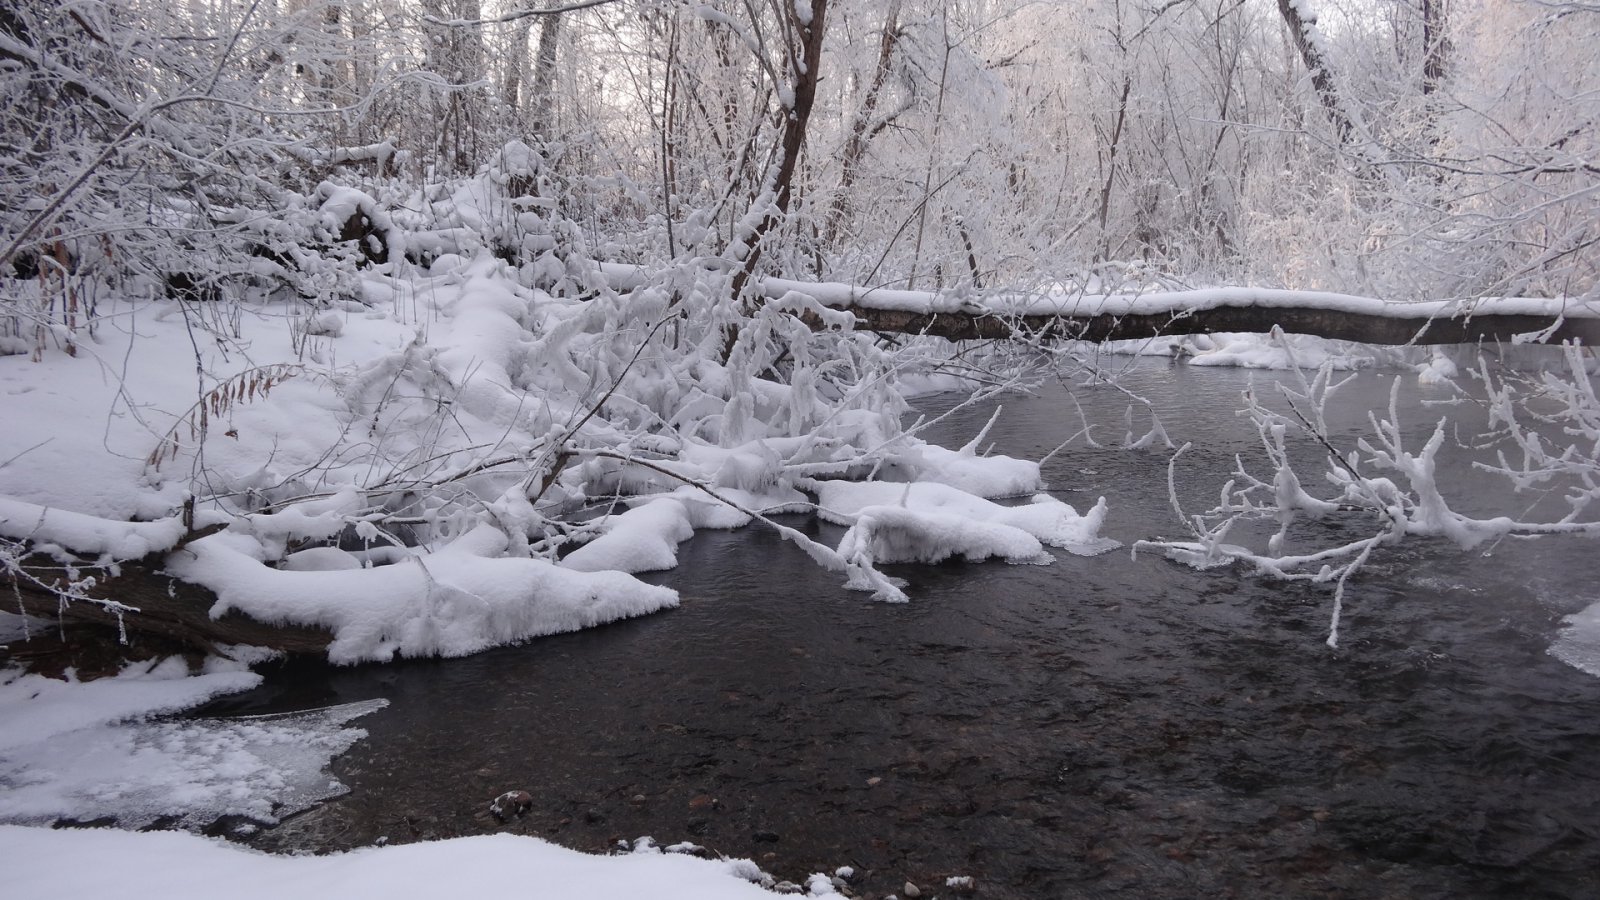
(1300, 31)
(1339, 325)
(163, 605)
(805, 50)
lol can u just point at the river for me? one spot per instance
(1102, 726)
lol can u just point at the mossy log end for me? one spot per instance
(1335, 324)
(161, 605)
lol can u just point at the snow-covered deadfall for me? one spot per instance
(444, 459)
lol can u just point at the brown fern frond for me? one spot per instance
(217, 403)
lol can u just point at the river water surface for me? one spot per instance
(1103, 726)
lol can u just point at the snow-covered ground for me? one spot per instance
(41, 864)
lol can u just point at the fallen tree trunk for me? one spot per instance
(153, 602)
(1001, 316)
(1338, 325)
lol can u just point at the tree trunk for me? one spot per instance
(1302, 30)
(862, 127)
(161, 605)
(541, 119)
(1335, 324)
(806, 65)
(1435, 45)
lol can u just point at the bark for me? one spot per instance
(808, 53)
(1335, 324)
(1436, 45)
(161, 605)
(544, 76)
(863, 127)
(1300, 30)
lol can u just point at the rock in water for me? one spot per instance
(511, 805)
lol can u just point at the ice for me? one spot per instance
(263, 768)
(14, 627)
(1578, 645)
(88, 750)
(35, 708)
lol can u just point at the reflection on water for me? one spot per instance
(1102, 726)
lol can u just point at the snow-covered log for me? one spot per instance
(1122, 317)
(142, 598)
(1344, 326)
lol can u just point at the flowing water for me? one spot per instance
(1103, 726)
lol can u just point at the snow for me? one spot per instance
(34, 708)
(1045, 519)
(88, 750)
(89, 535)
(1078, 303)
(453, 602)
(928, 522)
(1578, 645)
(643, 539)
(42, 864)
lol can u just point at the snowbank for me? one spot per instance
(72, 864)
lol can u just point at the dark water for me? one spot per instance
(1098, 727)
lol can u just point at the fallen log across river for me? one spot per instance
(962, 317)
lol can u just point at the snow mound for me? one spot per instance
(1046, 519)
(643, 539)
(459, 600)
(79, 533)
(178, 866)
(929, 523)
(34, 708)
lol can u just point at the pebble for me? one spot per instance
(911, 890)
(874, 780)
(636, 798)
(765, 837)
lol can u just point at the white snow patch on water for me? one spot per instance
(1046, 519)
(34, 708)
(87, 750)
(1579, 643)
(929, 523)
